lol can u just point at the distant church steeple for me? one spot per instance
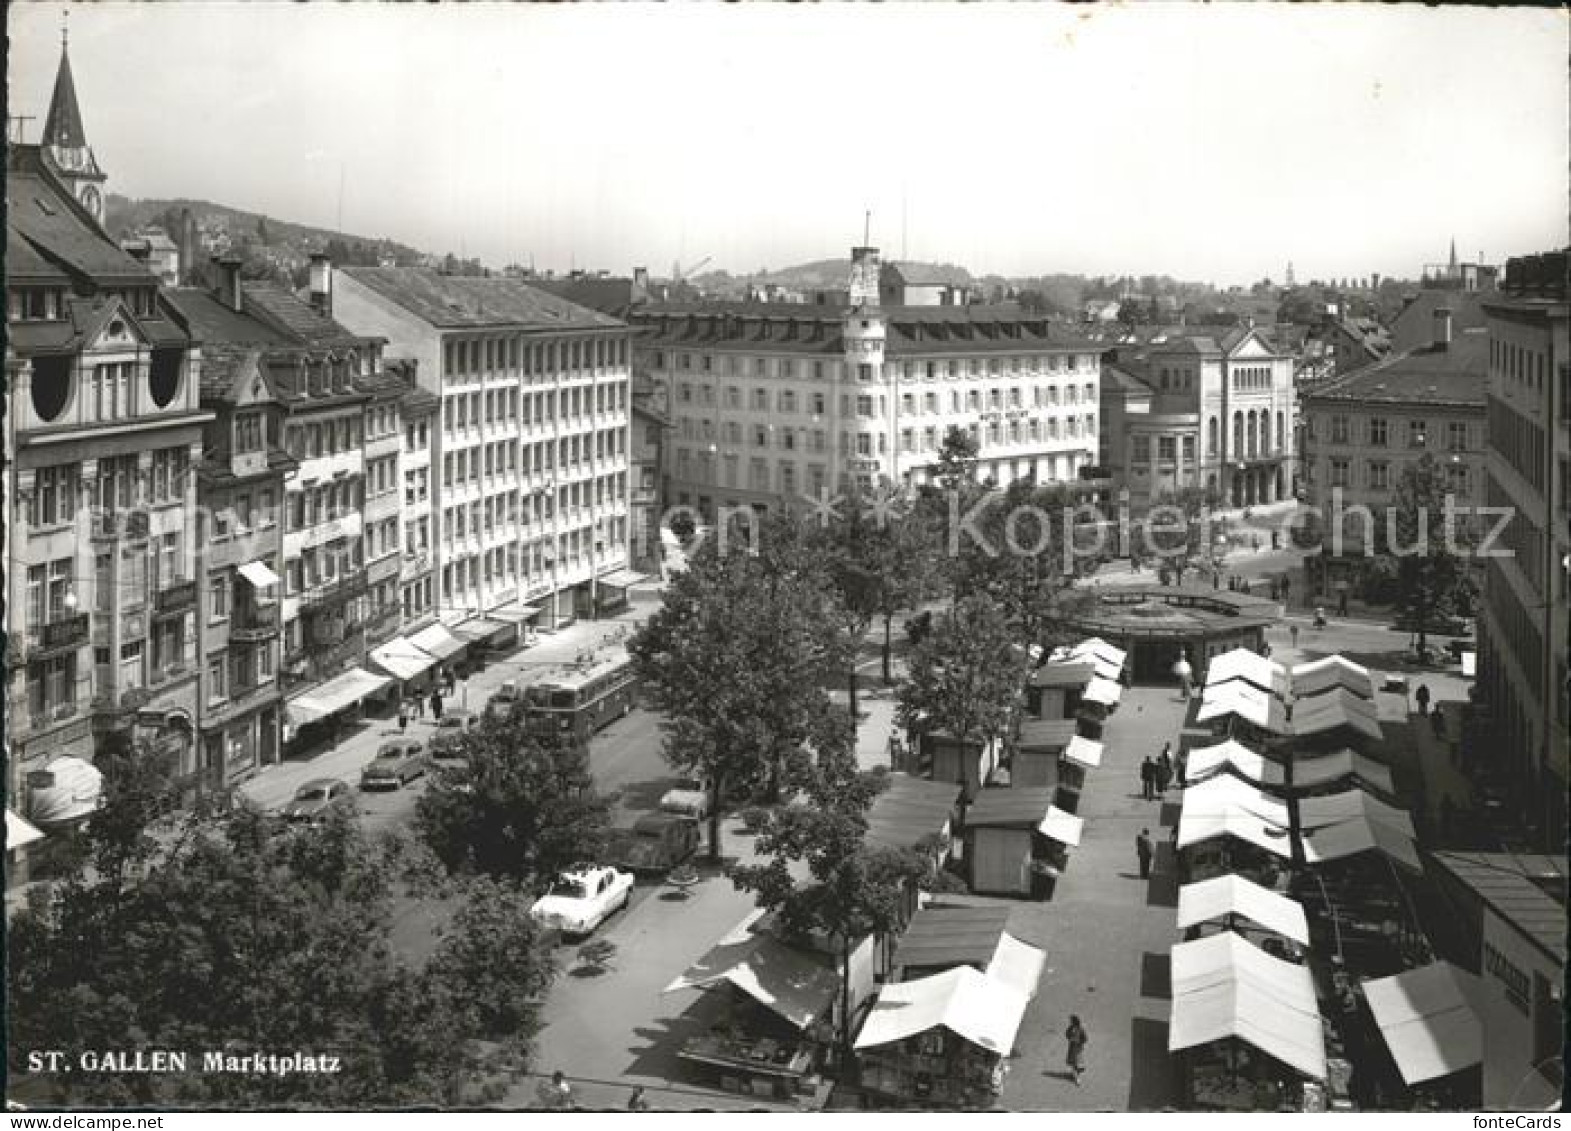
(1453, 255)
(1290, 274)
(65, 141)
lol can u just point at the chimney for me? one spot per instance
(228, 269)
(640, 284)
(1442, 327)
(864, 276)
(321, 284)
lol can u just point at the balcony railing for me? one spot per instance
(347, 586)
(175, 597)
(252, 623)
(69, 632)
(119, 524)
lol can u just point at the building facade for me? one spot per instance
(105, 426)
(1362, 430)
(777, 402)
(1524, 666)
(529, 466)
(1197, 410)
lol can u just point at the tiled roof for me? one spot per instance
(1014, 806)
(1511, 886)
(57, 228)
(211, 320)
(609, 296)
(294, 317)
(1121, 379)
(1458, 374)
(462, 301)
(1415, 325)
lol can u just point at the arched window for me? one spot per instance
(1211, 437)
(1249, 428)
(1238, 434)
(1281, 431)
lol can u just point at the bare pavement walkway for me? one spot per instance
(1109, 934)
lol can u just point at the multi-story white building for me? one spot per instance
(530, 464)
(1524, 658)
(784, 400)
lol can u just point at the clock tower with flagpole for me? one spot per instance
(65, 141)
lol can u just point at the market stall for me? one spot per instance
(941, 1041)
(1322, 675)
(773, 1015)
(1080, 755)
(1351, 805)
(1250, 1024)
(1005, 852)
(1039, 749)
(1428, 1021)
(1356, 836)
(1239, 708)
(951, 760)
(943, 937)
(1206, 761)
(1223, 794)
(911, 810)
(1223, 900)
(1251, 667)
(1232, 843)
(1312, 772)
(1053, 690)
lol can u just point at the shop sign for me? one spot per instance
(1511, 976)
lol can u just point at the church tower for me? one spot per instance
(65, 141)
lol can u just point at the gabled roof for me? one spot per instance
(1456, 375)
(213, 322)
(615, 297)
(952, 936)
(57, 229)
(996, 808)
(467, 301)
(929, 274)
(1518, 889)
(295, 318)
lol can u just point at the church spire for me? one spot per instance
(63, 125)
(1453, 255)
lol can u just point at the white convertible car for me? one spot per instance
(580, 900)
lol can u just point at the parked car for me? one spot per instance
(450, 733)
(655, 844)
(582, 899)
(396, 764)
(314, 800)
(689, 797)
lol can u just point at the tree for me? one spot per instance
(1431, 544)
(735, 659)
(956, 463)
(966, 675)
(246, 939)
(514, 807)
(263, 236)
(1180, 534)
(1132, 313)
(851, 891)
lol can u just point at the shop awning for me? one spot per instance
(1310, 772)
(1334, 842)
(1248, 702)
(1332, 672)
(1252, 667)
(514, 614)
(1061, 826)
(1351, 805)
(1428, 1021)
(1104, 691)
(622, 578)
(77, 790)
(401, 659)
(19, 832)
(1234, 895)
(982, 1010)
(438, 641)
(344, 690)
(1335, 709)
(1106, 669)
(1018, 965)
(258, 574)
(1249, 765)
(1224, 986)
(787, 981)
(1096, 646)
(1224, 794)
(1195, 829)
(1084, 752)
(479, 628)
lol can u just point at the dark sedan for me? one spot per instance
(396, 764)
(316, 799)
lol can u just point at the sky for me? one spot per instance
(1208, 142)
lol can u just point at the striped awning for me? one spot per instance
(344, 690)
(439, 641)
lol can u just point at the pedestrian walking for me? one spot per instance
(1293, 632)
(1185, 674)
(638, 1101)
(1075, 1035)
(1147, 779)
(1422, 695)
(403, 715)
(1164, 775)
(436, 705)
(1320, 616)
(417, 701)
(1437, 718)
(1181, 768)
(1341, 599)
(1143, 851)
(1287, 590)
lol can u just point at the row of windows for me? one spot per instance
(1527, 368)
(501, 406)
(1377, 432)
(733, 365)
(418, 597)
(381, 539)
(323, 438)
(1148, 449)
(119, 485)
(477, 357)
(417, 436)
(481, 516)
(1519, 441)
(381, 421)
(327, 502)
(472, 465)
(381, 476)
(1381, 475)
(322, 565)
(1252, 378)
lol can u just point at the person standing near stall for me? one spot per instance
(436, 705)
(1422, 695)
(1075, 1035)
(1144, 850)
(1147, 779)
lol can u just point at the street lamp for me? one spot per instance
(70, 602)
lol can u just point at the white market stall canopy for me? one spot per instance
(19, 832)
(1100, 668)
(1251, 766)
(1334, 842)
(1249, 703)
(1101, 649)
(1309, 772)
(1224, 794)
(1428, 1021)
(975, 1007)
(401, 659)
(1103, 691)
(1332, 671)
(1018, 965)
(1084, 752)
(1061, 826)
(77, 791)
(1194, 829)
(1353, 805)
(787, 981)
(259, 575)
(1223, 986)
(1336, 709)
(1234, 895)
(343, 690)
(1243, 664)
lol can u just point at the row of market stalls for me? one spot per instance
(1321, 991)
